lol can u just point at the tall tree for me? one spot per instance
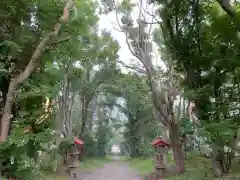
(205, 54)
(163, 85)
(18, 78)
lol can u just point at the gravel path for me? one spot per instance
(113, 171)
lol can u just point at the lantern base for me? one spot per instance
(160, 173)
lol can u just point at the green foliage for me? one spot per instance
(65, 144)
(141, 126)
(209, 54)
(19, 151)
(23, 25)
(196, 38)
(187, 126)
(203, 46)
(89, 146)
(103, 135)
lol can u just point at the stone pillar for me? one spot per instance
(72, 158)
(160, 165)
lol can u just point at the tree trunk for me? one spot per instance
(85, 104)
(91, 111)
(227, 7)
(83, 126)
(221, 161)
(185, 147)
(178, 155)
(7, 112)
(0, 170)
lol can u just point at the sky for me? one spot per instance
(115, 149)
(109, 22)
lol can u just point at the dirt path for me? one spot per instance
(113, 171)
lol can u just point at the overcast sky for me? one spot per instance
(109, 22)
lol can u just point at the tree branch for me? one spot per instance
(226, 6)
(139, 70)
(5, 17)
(61, 40)
(143, 55)
(230, 10)
(42, 45)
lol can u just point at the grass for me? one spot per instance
(92, 164)
(51, 176)
(142, 165)
(86, 165)
(196, 165)
(197, 168)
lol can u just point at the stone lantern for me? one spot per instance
(161, 148)
(72, 155)
(79, 143)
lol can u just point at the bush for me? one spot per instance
(15, 162)
(19, 154)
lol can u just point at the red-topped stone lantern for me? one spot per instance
(72, 155)
(79, 143)
(161, 147)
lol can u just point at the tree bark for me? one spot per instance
(178, 155)
(221, 161)
(84, 120)
(85, 104)
(164, 105)
(7, 112)
(230, 10)
(226, 6)
(163, 98)
(91, 111)
(16, 82)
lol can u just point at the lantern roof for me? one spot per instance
(78, 141)
(159, 142)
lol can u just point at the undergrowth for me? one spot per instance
(92, 164)
(197, 167)
(87, 165)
